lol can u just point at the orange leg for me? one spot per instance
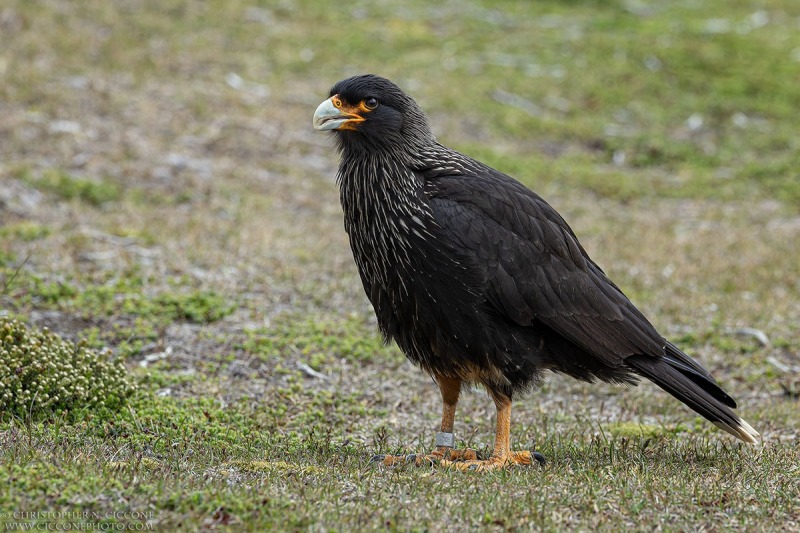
(502, 455)
(451, 390)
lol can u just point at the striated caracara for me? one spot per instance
(479, 281)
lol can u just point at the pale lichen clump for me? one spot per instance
(40, 373)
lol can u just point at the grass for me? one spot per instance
(163, 195)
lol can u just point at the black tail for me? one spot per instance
(684, 378)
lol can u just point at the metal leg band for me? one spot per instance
(448, 440)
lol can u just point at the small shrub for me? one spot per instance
(41, 374)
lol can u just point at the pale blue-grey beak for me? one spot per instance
(330, 117)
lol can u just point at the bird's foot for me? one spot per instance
(440, 455)
(524, 458)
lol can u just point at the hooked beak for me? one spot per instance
(332, 114)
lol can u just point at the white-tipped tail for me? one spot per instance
(742, 431)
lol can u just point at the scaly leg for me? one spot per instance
(502, 455)
(450, 389)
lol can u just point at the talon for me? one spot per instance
(447, 457)
(522, 458)
(452, 454)
(416, 459)
(389, 460)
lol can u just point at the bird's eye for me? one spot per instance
(371, 102)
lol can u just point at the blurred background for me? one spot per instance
(162, 192)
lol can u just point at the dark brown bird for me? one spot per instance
(479, 280)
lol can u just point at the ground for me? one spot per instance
(162, 194)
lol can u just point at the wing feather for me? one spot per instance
(535, 268)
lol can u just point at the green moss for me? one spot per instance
(320, 342)
(120, 294)
(70, 187)
(25, 231)
(128, 340)
(196, 306)
(633, 429)
(51, 292)
(7, 258)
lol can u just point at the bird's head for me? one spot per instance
(368, 112)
